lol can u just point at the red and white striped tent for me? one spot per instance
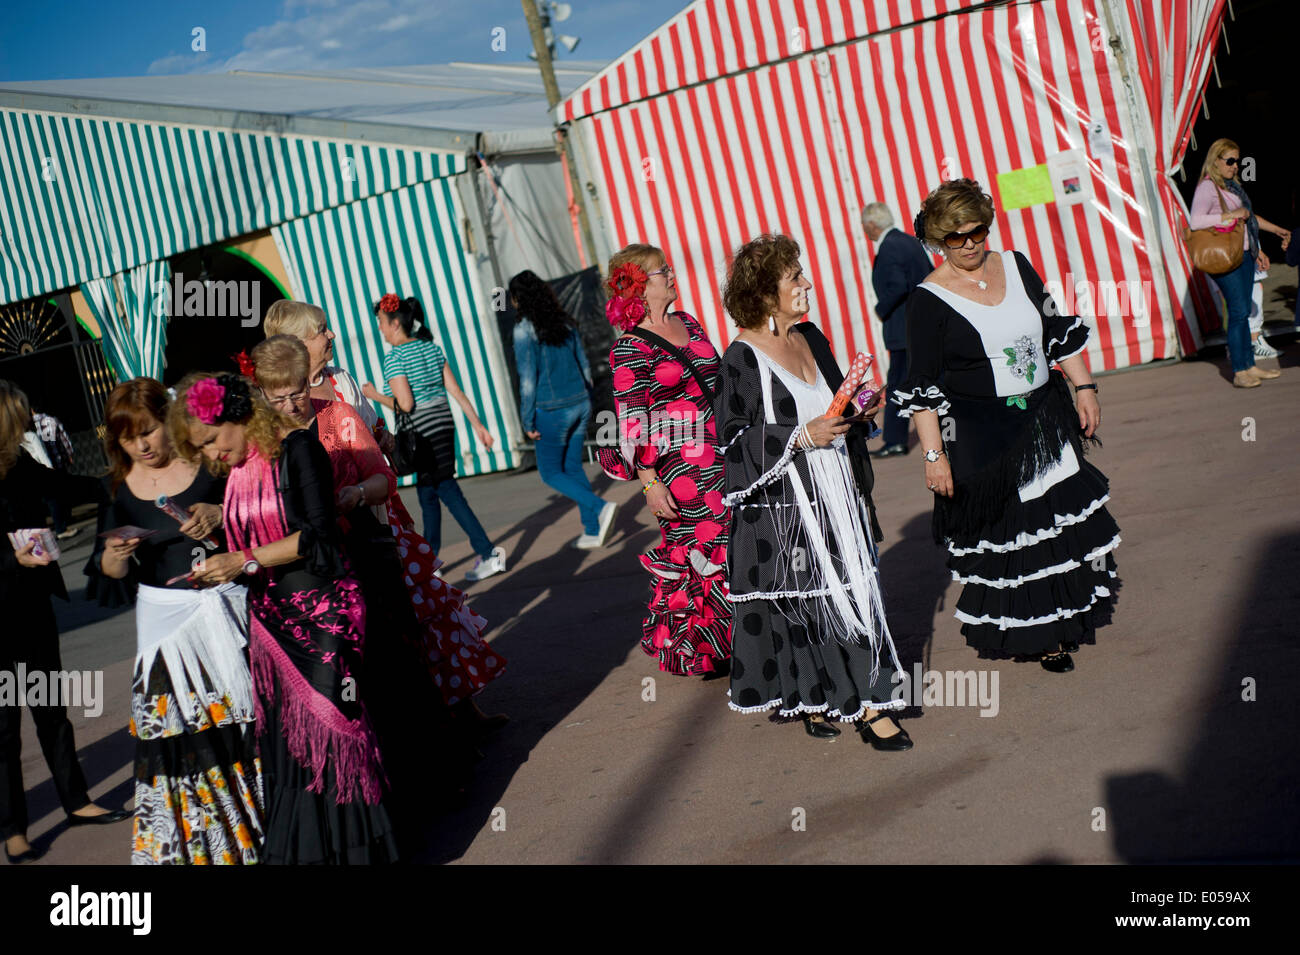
(744, 116)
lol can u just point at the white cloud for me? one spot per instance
(338, 34)
(330, 34)
(179, 63)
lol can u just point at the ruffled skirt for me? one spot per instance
(1044, 573)
(450, 638)
(198, 781)
(778, 665)
(688, 627)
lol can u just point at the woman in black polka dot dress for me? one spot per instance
(809, 636)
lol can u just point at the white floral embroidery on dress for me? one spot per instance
(1020, 358)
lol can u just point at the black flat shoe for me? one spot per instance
(1057, 662)
(106, 819)
(897, 743)
(1070, 646)
(27, 855)
(889, 450)
(820, 729)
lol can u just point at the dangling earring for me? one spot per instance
(771, 324)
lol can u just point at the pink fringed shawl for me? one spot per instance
(317, 734)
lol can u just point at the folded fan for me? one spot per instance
(852, 382)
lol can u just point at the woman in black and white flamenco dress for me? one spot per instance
(1021, 512)
(809, 636)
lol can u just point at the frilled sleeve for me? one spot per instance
(1063, 335)
(108, 591)
(920, 390)
(755, 453)
(308, 486)
(630, 362)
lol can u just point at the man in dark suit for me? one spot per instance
(901, 265)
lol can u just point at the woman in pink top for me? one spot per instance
(1219, 185)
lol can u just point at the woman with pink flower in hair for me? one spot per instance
(320, 758)
(665, 377)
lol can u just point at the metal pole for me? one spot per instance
(552, 99)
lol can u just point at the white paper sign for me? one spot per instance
(1099, 143)
(1070, 179)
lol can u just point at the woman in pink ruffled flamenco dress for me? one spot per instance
(665, 374)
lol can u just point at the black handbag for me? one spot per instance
(709, 394)
(415, 452)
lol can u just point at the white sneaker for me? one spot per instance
(1264, 350)
(486, 567)
(592, 541)
(606, 521)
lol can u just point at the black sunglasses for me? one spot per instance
(955, 240)
(1231, 161)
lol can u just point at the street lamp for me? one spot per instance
(558, 12)
(543, 46)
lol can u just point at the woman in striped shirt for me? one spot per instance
(419, 382)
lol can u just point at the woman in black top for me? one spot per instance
(810, 637)
(31, 640)
(198, 789)
(1021, 512)
(320, 756)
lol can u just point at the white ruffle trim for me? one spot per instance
(931, 393)
(1003, 582)
(700, 563)
(1011, 623)
(784, 594)
(825, 710)
(1047, 346)
(1027, 539)
(768, 476)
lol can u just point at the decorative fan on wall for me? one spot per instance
(28, 326)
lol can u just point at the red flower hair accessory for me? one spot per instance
(389, 302)
(626, 306)
(628, 281)
(247, 367)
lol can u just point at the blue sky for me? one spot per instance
(85, 38)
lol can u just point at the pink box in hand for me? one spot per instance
(46, 544)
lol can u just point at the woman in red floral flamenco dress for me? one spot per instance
(666, 373)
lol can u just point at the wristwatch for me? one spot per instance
(251, 566)
(933, 456)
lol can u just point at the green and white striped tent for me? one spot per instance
(360, 199)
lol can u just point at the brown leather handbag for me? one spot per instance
(1218, 249)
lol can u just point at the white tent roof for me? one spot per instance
(438, 105)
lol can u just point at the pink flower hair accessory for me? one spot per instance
(205, 399)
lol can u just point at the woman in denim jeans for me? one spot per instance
(1218, 201)
(555, 402)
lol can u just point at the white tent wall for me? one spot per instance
(523, 219)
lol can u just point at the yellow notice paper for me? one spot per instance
(1030, 186)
